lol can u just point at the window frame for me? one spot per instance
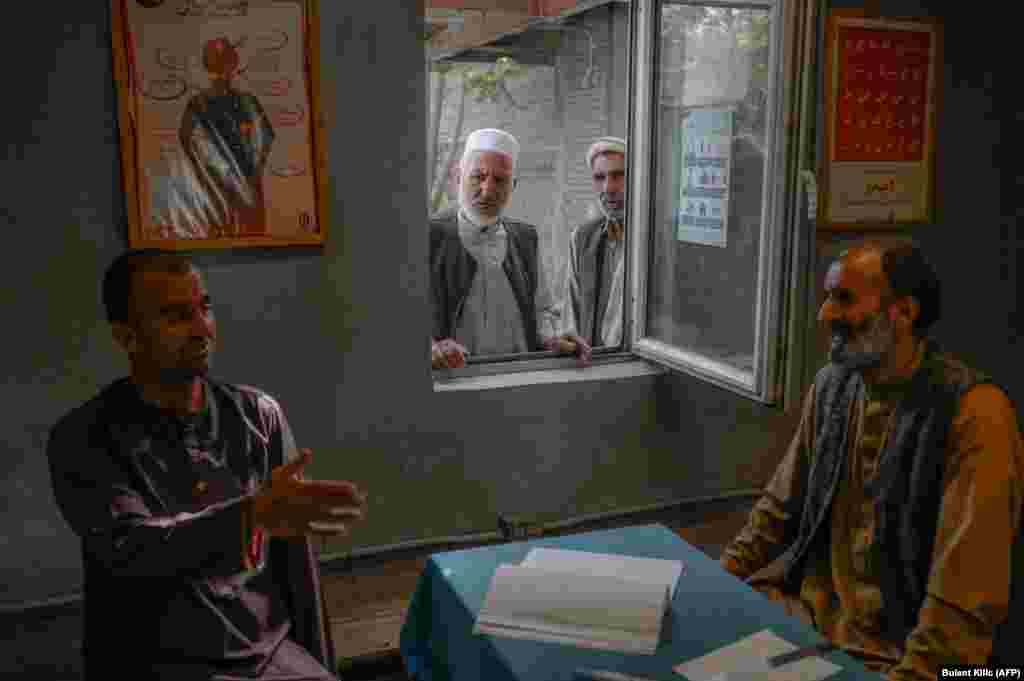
(783, 257)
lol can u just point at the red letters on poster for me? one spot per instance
(882, 107)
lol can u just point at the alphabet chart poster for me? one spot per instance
(880, 100)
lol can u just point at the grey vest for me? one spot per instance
(906, 493)
(590, 241)
(452, 269)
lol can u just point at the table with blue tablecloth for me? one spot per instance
(710, 609)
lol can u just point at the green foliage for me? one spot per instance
(484, 83)
(687, 22)
(754, 35)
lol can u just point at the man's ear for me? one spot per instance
(905, 310)
(125, 336)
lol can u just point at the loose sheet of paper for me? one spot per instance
(748, 659)
(646, 570)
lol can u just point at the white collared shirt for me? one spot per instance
(490, 323)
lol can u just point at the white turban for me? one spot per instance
(605, 144)
(492, 139)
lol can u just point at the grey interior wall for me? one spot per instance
(976, 243)
(335, 335)
(60, 192)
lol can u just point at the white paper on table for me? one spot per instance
(748, 659)
(647, 570)
(597, 611)
(617, 645)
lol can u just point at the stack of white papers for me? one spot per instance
(648, 570)
(580, 598)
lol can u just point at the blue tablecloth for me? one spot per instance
(711, 608)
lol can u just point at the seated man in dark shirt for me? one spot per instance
(188, 496)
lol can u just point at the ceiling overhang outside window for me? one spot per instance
(482, 30)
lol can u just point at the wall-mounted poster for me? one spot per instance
(222, 139)
(880, 104)
(705, 167)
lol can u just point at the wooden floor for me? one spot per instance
(366, 610)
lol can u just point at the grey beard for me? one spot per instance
(474, 217)
(612, 214)
(840, 354)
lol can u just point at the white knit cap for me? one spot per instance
(492, 139)
(605, 144)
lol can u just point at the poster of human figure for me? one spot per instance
(703, 207)
(225, 133)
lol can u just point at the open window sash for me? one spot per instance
(774, 367)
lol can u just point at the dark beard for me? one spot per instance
(180, 375)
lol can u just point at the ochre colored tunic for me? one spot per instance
(968, 589)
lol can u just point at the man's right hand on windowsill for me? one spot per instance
(447, 354)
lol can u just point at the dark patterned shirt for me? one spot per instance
(189, 461)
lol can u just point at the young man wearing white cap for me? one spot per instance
(595, 271)
(488, 287)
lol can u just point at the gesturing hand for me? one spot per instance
(289, 506)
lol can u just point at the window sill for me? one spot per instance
(597, 372)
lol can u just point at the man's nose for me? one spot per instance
(827, 312)
(202, 323)
(489, 186)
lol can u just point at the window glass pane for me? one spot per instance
(556, 83)
(712, 78)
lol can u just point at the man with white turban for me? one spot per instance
(487, 283)
(595, 271)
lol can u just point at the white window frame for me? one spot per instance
(783, 322)
(780, 314)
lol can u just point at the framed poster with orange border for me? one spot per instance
(880, 102)
(222, 138)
